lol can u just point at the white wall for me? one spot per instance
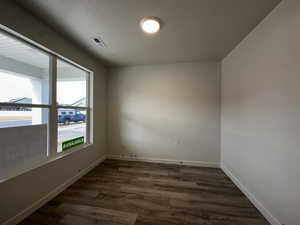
(260, 112)
(165, 112)
(20, 192)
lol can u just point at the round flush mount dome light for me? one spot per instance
(150, 25)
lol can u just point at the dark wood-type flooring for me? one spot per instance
(139, 193)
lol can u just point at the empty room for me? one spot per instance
(149, 112)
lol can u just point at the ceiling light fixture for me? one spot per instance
(150, 25)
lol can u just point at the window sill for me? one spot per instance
(50, 159)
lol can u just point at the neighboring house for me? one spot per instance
(21, 100)
(17, 101)
(80, 103)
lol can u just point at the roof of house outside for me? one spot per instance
(21, 100)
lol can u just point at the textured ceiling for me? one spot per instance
(192, 30)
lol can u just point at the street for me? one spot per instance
(67, 132)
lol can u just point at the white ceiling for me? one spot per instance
(192, 30)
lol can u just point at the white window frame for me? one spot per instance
(52, 106)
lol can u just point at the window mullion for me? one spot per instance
(53, 107)
(91, 107)
(8, 104)
(71, 107)
(88, 139)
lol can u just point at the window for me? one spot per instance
(44, 105)
(73, 125)
(70, 78)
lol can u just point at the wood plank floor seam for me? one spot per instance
(140, 193)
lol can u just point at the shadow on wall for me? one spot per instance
(156, 118)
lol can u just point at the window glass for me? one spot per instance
(71, 85)
(71, 126)
(24, 138)
(25, 108)
(24, 73)
(11, 116)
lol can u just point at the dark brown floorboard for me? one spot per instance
(138, 193)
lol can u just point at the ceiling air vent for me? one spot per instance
(99, 41)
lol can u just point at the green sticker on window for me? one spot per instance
(66, 145)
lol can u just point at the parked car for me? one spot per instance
(66, 116)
